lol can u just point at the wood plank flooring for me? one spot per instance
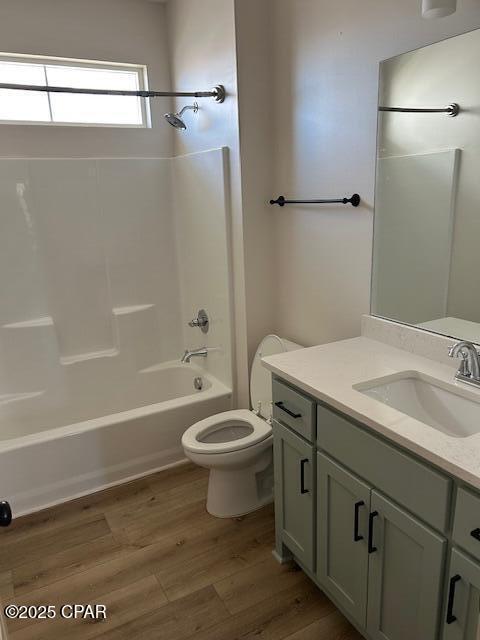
(165, 569)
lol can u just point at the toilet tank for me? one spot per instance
(260, 378)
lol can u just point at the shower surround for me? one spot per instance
(102, 264)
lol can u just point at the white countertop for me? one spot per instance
(328, 373)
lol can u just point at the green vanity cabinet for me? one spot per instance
(462, 599)
(373, 525)
(466, 525)
(409, 482)
(294, 494)
(370, 550)
(405, 574)
(342, 523)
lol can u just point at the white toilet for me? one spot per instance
(237, 445)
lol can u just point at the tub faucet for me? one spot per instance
(469, 370)
(200, 353)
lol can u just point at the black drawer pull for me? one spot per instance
(451, 598)
(281, 406)
(5, 514)
(475, 534)
(302, 475)
(371, 518)
(356, 536)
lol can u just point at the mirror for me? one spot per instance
(427, 200)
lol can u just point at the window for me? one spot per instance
(32, 107)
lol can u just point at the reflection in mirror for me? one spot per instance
(427, 202)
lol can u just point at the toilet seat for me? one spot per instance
(260, 430)
(195, 440)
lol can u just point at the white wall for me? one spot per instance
(307, 74)
(202, 53)
(201, 224)
(109, 30)
(255, 87)
(326, 69)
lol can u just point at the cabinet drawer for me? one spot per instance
(293, 409)
(422, 490)
(466, 526)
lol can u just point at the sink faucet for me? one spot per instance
(469, 370)
(200, 353)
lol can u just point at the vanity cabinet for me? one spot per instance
(372, 524)
(371, 551)
(405, 574)
(462, 601)
(343, 505)
(466, 525)
(294, 494)
(422, 490)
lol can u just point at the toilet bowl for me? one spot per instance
(237, 445)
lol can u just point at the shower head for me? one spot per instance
(175, 119)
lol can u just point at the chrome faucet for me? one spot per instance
(469, 370)
(200, 353)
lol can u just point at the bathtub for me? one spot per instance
(47, 466)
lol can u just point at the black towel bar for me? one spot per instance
(354, 201)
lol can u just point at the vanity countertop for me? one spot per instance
(328, 372)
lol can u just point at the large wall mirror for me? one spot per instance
(426, 263)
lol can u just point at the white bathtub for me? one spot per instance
(52, 465)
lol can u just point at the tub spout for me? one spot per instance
(194, 353)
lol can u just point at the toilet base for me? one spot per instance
(236, 492)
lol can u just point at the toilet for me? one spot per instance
(237, 445)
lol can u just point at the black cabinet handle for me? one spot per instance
(302, 475)
(356, 536)
(371, 518)
(281, 406)
(475, 534)
(5, 514)
(451, 598)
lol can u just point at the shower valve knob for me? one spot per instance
(201, 321)
(5, 514)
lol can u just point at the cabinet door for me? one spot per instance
(405, 574)
(343, 505)
(294, 493)
(462, 604)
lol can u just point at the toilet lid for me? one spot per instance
(261, 378)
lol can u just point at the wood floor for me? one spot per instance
(165, 569)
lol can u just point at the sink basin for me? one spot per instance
(444, 407)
